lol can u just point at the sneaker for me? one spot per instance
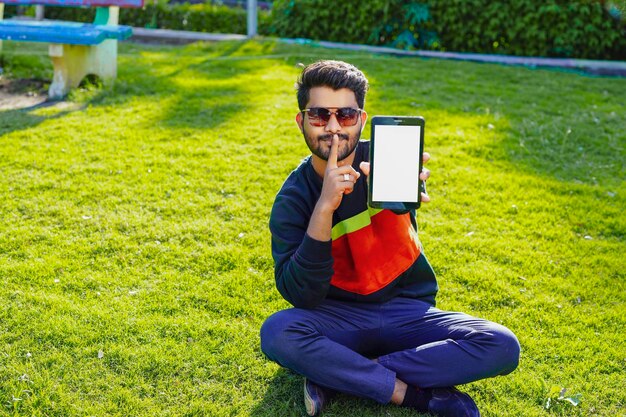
(315, 397)
(450, 402)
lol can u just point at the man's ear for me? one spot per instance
(299, 121)
(363, 120)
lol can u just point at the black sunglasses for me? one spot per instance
(319, 116)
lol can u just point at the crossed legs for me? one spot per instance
(413, 342)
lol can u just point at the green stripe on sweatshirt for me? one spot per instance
(354, 223)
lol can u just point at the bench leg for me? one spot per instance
(73, 62)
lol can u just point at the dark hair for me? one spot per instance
(333, 74)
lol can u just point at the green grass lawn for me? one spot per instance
(135, 264)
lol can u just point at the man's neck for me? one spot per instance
(319, 164)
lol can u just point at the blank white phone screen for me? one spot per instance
(396, 163)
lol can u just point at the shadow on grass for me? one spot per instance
(556, 124)
(201, 86)
(194, 90)
(24, 118)
(283, 396)
(188, 96)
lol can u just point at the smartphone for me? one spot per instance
(396, 147)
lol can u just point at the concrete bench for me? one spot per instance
(76, 49)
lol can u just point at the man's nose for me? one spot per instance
(333, 124)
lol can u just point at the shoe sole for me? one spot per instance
(309, 403)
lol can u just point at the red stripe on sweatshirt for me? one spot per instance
(370, 258)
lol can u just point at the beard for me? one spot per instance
(320, 145)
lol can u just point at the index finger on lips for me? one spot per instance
(332, 156)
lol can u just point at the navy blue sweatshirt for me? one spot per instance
(373, 255)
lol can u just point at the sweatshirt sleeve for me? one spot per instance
(303, 266)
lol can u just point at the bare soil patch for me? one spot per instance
(22, 93)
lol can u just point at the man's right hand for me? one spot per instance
(338, 180)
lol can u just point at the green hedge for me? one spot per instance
(556, 28)
(183, 16)
(345, 21)
(552, 28)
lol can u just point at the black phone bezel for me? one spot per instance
(395, 121)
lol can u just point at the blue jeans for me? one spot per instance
(333, 345)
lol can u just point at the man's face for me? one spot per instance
(319, 138)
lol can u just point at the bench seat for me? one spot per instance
(76, 49)
(61, 32)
